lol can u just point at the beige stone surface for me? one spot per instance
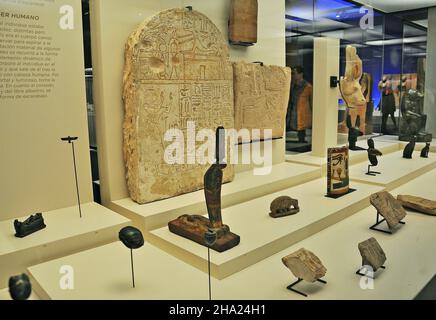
(419, 204)
(390, 208)
(261, 97)
(305, 265)
(243, 22)
(176, 70)
(372, 254)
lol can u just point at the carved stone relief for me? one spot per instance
(261, 97)
(177, 69)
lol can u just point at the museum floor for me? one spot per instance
(171, 267)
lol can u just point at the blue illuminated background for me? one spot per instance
(392, 47)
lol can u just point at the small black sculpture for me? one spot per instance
(30, 225)
(132, 239)
(373, 153)
(425, 150)
(20, 287)
(413, 120)
(410, 147)
(354, 133)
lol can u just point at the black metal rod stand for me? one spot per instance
(372, 173)
(378, 222)
(208, 271)
(133, 272)
(291, 286)
(77, 181)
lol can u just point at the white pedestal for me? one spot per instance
(395, 170)
(355, 156)
(418, 146)
(261, 235)
(104, 272)
(65, 233)
(245, 187)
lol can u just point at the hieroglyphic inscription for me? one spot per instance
(177, 69)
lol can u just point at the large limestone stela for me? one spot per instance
(177, 70)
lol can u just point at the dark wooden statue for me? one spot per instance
(410, 147)
(354, 133)
(197, 228)
(425, 150)
(373, 153)
(413, 120)
(30, 225)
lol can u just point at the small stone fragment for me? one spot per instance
(418, 204)
(305, 265)
(372, 254)
(390, 208)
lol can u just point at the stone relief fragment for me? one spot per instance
(261, 97)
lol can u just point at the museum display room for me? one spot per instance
(217, 149)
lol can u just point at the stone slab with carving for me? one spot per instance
(305, 265)
(261, 97)
(243, 22)
(419, 204)
(389, 207)
(177, 70)
(372, 254)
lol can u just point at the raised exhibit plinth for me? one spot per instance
(263, 236)
(104, 273)
(355, 156)
(410, 265)
(65, 233)
(246, 186)
(395, 170)
(418, 146)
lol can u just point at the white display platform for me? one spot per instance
(4, 295)
(355, 156)
(105, 273)
(245, 187)
(418, 147)
(65, 233)
(261, 235)
(411, 263)
(395, 170)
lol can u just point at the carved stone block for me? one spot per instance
(390, 208)
(243, 22)
(305, 265)
(418, 204)
(261, 97)
(372, 254)
(177, 70)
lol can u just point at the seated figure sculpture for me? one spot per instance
(198, 228)
(413, 120)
